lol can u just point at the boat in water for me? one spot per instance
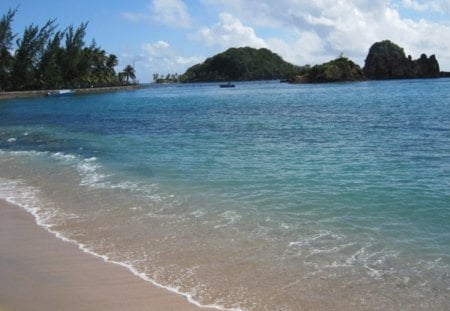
(61, 93)
(229, 84)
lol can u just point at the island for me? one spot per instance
(242, 64)
(385, 60)
(338, 70)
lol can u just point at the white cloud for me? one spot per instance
(156, 49)
(308, 31)
(308, 48)
(230, 32)
(440, 6)
(159, 57)
(173, 13)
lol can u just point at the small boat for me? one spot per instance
(61, 93)
(229, 84)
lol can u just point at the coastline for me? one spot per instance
(42, 93)
(41, 272)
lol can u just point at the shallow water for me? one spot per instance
(263, 197)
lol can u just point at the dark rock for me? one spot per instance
(386, 60)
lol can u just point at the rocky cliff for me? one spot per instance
(386, 60)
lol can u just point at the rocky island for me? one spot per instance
(385, 60)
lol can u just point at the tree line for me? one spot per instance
(47, 58)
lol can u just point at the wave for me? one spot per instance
(337, 251)
(18, 193)
(92, 176)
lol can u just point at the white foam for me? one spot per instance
(18, 193)
(11, 140)
(231, 217)
(89, 172)
(312, 239)
(335, 252)
(198, 213)
(63, 156)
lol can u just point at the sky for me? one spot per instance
(169, 36)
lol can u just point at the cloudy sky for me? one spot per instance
(168, 36)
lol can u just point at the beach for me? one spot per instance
(43, 93)
(40, 272)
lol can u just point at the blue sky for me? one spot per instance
(168, 36)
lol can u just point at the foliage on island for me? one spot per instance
(340, 69)
(386, 60)
(169, 78)
(47, 58)
(241, 64)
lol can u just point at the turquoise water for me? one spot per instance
(267, 196)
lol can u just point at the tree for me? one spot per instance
(28, 54)
(44, 58)
(6, 40)
(121, 77)
(112, 62)
(74, 66)
(49, 68)
(241, 64)
(129, 72)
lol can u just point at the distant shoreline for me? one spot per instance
(42, 93)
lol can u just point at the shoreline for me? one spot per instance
(41, 272)
(43, 93)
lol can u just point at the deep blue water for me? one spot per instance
(349, 180)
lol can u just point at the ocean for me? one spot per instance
(266, 196)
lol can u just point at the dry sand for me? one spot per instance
(40, 272)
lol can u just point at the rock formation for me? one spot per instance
(386, 60)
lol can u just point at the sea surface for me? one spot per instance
(267, 196)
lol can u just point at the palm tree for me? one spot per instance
(112, 61)
(129, 72)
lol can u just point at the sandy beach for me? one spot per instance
(40, 272)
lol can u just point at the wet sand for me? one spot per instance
(40, 272)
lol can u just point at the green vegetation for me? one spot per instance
(129, 73)
(385, 60)
(241, 64)
(169, 78)
(340, 69)
(45, 58)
